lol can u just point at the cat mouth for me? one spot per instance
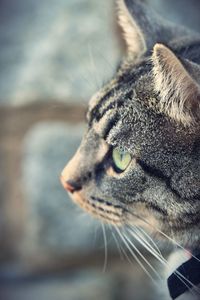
(99, 208)
(105, 210)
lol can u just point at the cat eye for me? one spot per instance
(121, 159)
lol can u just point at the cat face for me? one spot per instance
(138, 162)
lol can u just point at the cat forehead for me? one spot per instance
(122, 101)
(118, 92)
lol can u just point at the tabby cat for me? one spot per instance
(139, 161)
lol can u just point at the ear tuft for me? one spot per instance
(133, 35)
(176, 81)
(143, 28)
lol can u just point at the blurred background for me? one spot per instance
(53, 56)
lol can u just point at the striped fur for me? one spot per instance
(135, 112)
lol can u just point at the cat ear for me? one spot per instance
(177, 82)
(143, 28)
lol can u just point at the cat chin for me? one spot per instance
(98, 210)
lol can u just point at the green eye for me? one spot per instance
(121, 158)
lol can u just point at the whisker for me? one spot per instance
(95, 234)
(143, 232)
(181, 277)
(162, 233)
(134, 255)
(141, 255)
(119, 247)
(147, 246)
(165, 262)
(122, 248)
(127, 257)
(177, 244)
(189, 284)
(105, 247)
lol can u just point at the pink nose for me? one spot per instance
(69, 185)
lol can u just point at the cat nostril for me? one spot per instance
(73, 186)
(70, 186)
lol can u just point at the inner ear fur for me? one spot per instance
(143, 28)
(133, 34)
(176, 82)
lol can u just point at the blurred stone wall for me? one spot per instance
(55, 50)
(54, 55)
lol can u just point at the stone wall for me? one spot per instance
(54, 55)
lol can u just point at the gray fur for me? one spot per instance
(164, 175)
(148, 27)
(164, 145)
(129, 107)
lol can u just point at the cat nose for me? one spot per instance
(70, 185)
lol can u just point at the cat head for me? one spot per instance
(139, 160)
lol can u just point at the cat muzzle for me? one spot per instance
(69, 185)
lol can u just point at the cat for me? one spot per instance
(139, 161)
